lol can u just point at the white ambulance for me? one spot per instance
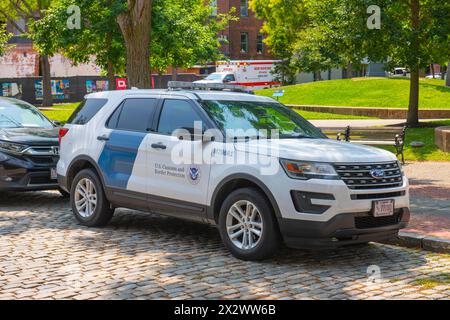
(254, 74)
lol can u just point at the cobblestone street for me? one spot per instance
(45, 254)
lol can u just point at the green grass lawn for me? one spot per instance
(61, 112)
(365, 92)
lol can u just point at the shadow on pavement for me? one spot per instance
(181, 257)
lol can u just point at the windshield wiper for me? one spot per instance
(12, 121)
(295, 136)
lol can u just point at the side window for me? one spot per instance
(230, 78)
(177, 114)
(86, 111)
(133, 115)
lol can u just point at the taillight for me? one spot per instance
(62, 133)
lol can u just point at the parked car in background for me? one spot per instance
(29, 149)
(437, 75)
(399, 72)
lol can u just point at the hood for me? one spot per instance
(320, 150)
(31, 136)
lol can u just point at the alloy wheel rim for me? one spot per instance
(244, 225)
(85, 198)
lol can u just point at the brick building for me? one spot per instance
(245, 41)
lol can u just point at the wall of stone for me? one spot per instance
(383, 113)
(442, 138)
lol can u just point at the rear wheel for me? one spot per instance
(88, 200)
(247, 225)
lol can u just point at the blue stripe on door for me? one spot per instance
(118, 157)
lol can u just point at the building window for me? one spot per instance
(244, 8)
(259, 44)
(244, 42)
(213, 5)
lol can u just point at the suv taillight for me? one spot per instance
(62, 133)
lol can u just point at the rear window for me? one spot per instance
(134, 114)
(86, 111)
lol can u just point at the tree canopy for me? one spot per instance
(183, 33)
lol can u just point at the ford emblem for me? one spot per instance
(377, 173)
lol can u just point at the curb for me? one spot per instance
(417, 240)
(383, 113)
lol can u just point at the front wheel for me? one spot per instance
(248, 226)
(88, 200)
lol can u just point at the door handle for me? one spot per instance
(102, 138)
(158, 146)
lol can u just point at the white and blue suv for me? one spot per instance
(247, 164)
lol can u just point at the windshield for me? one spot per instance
(242, 116)
(21, 115)
(214, 76)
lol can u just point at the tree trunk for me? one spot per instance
(447, 82)
(174, 73)
(135, 25)
(348, 73)
(432, 69)
(110, 75)
(47, 99)
(319, 76)
(413, 108)
(160, 80)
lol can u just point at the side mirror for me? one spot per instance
(226, 81)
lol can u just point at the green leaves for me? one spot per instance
(99, 35)
(184, 33)
(4, 37)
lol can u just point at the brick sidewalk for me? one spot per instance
(430, 198)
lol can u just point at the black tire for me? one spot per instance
(270, 238)
(103, 212)
(64, 193)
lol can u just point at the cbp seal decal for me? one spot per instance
(194, 174)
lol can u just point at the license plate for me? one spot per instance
(383, 208)
(53, 174)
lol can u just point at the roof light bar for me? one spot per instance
(174, 85)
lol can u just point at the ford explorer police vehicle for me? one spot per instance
(247, 164)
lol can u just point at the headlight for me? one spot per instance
(12, 147)
(308, 170)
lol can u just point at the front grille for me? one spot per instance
(44, 160)
(357, 175)
(367, 222)
(38, 180)
(377, 195)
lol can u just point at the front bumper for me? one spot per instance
(22, 173)
(343, 229)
